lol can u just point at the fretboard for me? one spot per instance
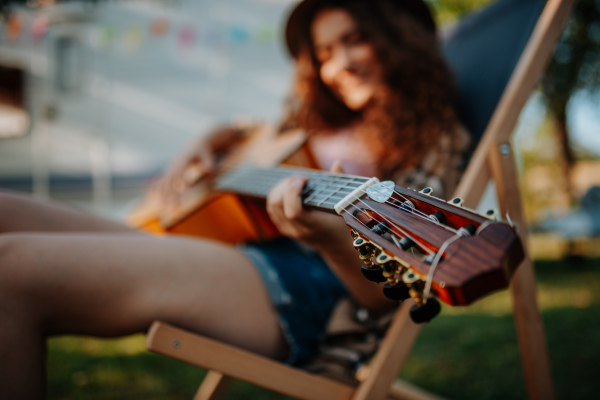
(323, 190)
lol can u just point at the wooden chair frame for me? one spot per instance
(492, 160)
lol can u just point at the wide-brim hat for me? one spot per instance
(302, 15)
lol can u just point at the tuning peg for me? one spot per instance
(405, 243)
(491, 214)
(408, 205)
(381, 228)
(425, 312)
(383, 258)
(373, 273)
(410, 277)
(389, 267)
(438, 217)
(365, 251)
(457, 201)
(398, 292)
(428, 191)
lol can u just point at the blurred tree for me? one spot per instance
(575, 66)
(449, 10)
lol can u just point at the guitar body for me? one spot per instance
(203, 211)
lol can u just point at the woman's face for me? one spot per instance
(348, 65)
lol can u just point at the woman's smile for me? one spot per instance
(348, 65)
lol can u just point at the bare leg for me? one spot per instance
(20, 213)
(113, 284)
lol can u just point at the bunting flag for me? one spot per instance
(187, 36)
(265, 34)
(39, 28)
(133, 38)
(14, 27)
(237, 34)
(159, 27)
(107, 35)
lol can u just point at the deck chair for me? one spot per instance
(472, 48)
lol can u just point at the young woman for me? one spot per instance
(376, 98)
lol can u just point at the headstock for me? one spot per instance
(426, 248)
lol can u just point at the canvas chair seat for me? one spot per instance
(365, 352)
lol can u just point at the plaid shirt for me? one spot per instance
(442, 166)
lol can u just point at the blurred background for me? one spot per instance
(99, 96)
(96, 97)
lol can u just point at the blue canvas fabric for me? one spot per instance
(483, 49)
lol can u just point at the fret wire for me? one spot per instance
(344, 190)
(317, 188)
(346, 185)
(252, 177)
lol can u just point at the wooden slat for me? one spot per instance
(212, 387)
(240, 364)
(528, 320)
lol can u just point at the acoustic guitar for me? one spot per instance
(420, 246)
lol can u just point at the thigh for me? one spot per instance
(117, 284)
(20, 212)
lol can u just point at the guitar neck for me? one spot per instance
(322, 191)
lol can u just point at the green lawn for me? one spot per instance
(465, 353)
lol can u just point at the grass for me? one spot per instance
(465, 353)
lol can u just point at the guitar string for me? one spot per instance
(392, 232)
(230, 164)
(434, 263)
(413, 211)
(321, 176)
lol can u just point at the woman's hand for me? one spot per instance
(198, 162)
(325, 233)
(314, 228)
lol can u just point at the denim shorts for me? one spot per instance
(302, 288)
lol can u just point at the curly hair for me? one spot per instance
(409, 113)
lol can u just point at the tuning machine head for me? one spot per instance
(457, 201)
(428, 191)
(491, 214)
(425, 312)
(366, 251)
